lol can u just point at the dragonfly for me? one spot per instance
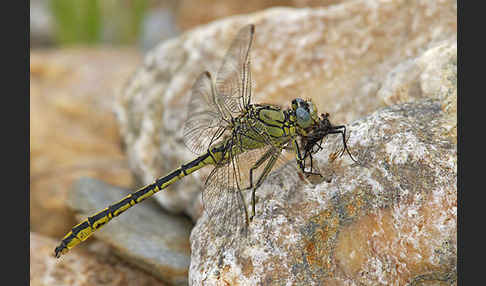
(241, 140)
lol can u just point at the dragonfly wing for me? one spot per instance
(234, 83)
(204, 123)
(224, 203)
(224, 198)
(210, 108)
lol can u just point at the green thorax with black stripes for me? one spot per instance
(258, 126)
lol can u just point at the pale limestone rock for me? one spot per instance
(191, 13)
(432, 74)
(390, 220)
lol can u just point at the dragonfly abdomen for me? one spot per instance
(86, 228)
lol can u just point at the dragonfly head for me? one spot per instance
(305, 113)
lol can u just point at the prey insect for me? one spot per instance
(312, 142)
(241, 140)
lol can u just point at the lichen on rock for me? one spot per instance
(385, 69)
(386, 220)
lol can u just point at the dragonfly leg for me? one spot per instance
(301, 160)
(273, 158)
(298, 156)
(263, 176)
(341, 129)
(308, 173)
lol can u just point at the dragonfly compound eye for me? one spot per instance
(303, 117)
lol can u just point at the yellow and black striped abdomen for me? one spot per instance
(86, 228)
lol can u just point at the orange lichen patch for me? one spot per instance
(310, 248)
(227, 277)
(325, 215)
(318, 247)
(312, 258)
(399, 243)
(325, 233)
(358, 204)
(351, 209)
(354, 203)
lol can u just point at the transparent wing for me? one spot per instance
(205, 123)
(233, 82)
(226, 180)
(211, 108)
(224, 203)
(225, 197)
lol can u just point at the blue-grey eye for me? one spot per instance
(303, 117)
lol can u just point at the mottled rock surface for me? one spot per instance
(191, 13)
(73, 130)
(81, 268)
(433, 74)
(147, 237)
(390, 220)
(340, 56)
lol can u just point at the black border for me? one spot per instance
(460, 150)
(15, 118)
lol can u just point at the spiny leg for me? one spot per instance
(298, 156)
(237, 177)
(271, 162)
(337, 130)
(301, 160)
(255, 166)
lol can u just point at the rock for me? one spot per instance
(192, 13)
(73, 131)
(80, 267)
(390, 220)
(147, 236)
(340, 56)
(432, 74)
